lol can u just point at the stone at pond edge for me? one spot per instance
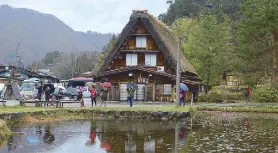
(103, 114)
(157, 114)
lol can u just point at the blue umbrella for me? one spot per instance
(183, 87)
(131, 84)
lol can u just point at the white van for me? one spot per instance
(28, 89)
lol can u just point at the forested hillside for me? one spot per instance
(33, 34)
(228, 37)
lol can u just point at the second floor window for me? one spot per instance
(150, 60)
(141, 42)
(131, 59)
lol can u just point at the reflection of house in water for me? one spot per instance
(142, 138)
(112, 136)
(149, 146)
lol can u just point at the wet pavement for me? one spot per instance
(157, 104)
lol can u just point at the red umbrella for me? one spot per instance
(106, 84)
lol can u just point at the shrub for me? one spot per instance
(217, 95)
(265, 94)
(220, 97)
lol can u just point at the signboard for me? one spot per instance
(87, 102)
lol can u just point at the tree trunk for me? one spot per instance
(208, 81)
(274, 60)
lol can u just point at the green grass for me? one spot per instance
(262, 109)
(16, 109)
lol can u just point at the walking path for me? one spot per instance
(155, 104)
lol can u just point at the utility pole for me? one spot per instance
(178, 72)
(73, 65)
(18, 56)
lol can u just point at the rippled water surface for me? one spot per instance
(203, 132)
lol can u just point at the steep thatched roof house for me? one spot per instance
(145, 52)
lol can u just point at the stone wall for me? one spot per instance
(92, 114)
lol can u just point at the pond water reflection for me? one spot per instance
(204, 132)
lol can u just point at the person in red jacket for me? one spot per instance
(247, 93)
(182, 97)
(93, 95)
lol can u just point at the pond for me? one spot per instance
(203, 132)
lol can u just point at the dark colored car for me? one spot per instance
(72, 93)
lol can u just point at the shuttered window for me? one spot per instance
(141, 41)
(164, 89)
(131, 59)
(150, 60)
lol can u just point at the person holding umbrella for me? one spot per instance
(183, 90)
(104, 92)
(130, 92)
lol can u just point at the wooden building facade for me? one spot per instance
(145, 53)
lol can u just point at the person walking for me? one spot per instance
(104, 96)
(47, 95)
(182, 97)
(60, 94)
(93, 95)
(130, 95)
(247, 93)
(40, 90)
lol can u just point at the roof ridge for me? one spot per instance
(140, 11)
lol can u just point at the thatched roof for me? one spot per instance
(162, 35)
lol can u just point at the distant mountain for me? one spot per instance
(39, 33)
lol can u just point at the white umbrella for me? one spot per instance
(61, 87)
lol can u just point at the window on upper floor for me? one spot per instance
(141, 42)
(131, 59)
(150, 60)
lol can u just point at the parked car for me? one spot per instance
(75, 82)
(72, 91)
(28, 89)
(72, 94)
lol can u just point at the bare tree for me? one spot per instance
(69, 64)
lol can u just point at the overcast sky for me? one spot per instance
(95, 15)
